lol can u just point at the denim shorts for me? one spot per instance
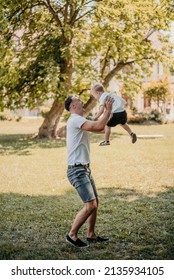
(81, 179)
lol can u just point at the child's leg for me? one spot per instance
(107, 133)
(132, 134)
(127, 128)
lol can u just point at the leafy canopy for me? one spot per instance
(158, 90)
(50, 48)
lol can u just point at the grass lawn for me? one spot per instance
(135, 185)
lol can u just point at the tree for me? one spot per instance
(52, 48)
(41, 67)
(134, 40)
(158, 91)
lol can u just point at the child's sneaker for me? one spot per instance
(104, 143)
(134, 137)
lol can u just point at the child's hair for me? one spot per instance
(98, 87)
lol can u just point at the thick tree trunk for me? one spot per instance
(90, 104)
(49, 127)
(61, 133)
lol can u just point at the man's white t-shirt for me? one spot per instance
(78, 147)
(119, 102)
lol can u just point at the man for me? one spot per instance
(79, 173)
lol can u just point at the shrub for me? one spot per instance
(6, 117)
(152, 115)
(3, 117)
(9, 117)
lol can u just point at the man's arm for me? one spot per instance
(98, 126)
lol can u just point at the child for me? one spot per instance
(118, 116)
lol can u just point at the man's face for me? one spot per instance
(77, 105)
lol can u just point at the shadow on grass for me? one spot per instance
(21, 144)
(139, 227)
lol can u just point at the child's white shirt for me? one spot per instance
(119, 102)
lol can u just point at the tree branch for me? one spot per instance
(115, 70)
(149, 34)
(53, 12)
(88, 12)
(66, 12)
(105, 60)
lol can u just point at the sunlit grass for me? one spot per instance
(135, 184)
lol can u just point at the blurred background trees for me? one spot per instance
(50, 49)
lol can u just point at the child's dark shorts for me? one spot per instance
(117, 118)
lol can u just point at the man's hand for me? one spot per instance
(108, 103)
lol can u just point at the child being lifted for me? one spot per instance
(118, 116)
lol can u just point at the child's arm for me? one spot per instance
(100, 112)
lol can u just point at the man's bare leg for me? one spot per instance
(91, 223)
(82, 216)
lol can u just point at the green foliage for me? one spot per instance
(36, 67)
(155, 115)
(66, 116)
(3, 117)
(52, 48)
(6, 116)
(44, 111)
(157, 91)
(125, 45)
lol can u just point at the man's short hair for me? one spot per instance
(68, 102)
(98, 87)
